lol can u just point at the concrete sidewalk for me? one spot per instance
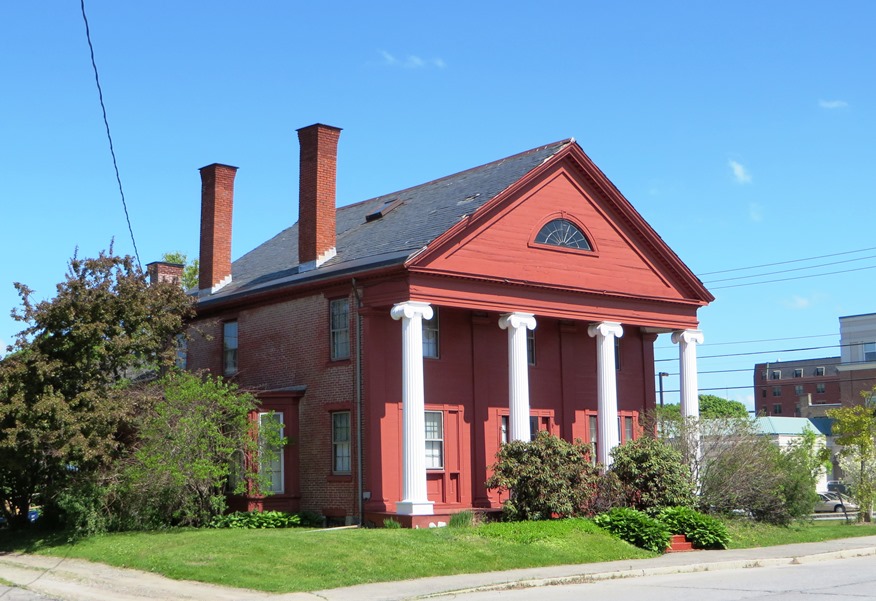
(38, 577)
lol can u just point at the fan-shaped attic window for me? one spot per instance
(563, 233)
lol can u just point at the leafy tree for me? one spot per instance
(653, 474)
(192, 433)
(741, 469)
(712, 406)
(60, 415)
(546, 477)
(854, 429)
(190, 270)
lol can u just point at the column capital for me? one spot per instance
(411, 309)
(687, 336)
(605, 328)
(517, 320)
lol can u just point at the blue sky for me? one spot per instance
(743, 132)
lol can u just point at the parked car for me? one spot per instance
(832, 502)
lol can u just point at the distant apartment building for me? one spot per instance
(857, 370)
(802, 388)
(808, 387)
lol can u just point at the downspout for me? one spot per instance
(359, 420)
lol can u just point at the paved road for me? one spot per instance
(836, 580)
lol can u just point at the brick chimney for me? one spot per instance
(217, 199)
(316, 195)
(162, 271)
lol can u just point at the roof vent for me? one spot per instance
(389, 205)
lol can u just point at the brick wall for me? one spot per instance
(286, 344)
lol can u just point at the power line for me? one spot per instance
(792, 350)
(108, 135)
(848, 252)
(711, 344)
(759, 275)
(799, 277)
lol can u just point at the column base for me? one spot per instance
(415, 508)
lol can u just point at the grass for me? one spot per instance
(296, 560)
(293, 560)
(745, 534)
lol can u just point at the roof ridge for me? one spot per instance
(559, 144)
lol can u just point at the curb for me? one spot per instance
(660, 571)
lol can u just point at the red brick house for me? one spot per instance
(401, 339)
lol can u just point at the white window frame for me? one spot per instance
(230, 346)
(342, 457)
(339, 326)
(869, 355)
(434, 441)
(277, 466)
(798, 372)
(819, 371)
(431, 336)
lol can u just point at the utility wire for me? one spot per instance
(799, 277)
(711, 344)
(108, 135)
(790, 350)
(760, 275)
(849, 252)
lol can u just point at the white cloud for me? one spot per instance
(740, 173)
(798, 303)
(412, 61)
(755, 212)
(833, 104)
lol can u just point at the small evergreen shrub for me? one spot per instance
(653, 475)
(253, 520)
(547, 478)
(704, 531)
(636, 528)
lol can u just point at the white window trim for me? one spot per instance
(338, 444)
(427, 328)
(440, 441)
(335, 330)
(280, 459)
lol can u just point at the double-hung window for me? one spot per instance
(341, 442)
(434, 440)
(270, 455)
(430, 336)
(870, 351)
(340, 328)
(229, 348)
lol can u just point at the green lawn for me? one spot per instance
(305, 560)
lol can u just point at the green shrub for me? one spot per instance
(704, 531)
(391, 523)
(252, 520)
(547, 478)
(653, 475)
(636, 528)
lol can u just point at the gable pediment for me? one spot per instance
(500, 241)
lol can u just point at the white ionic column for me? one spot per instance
(518, 373)
(687, 341)
(606, 383)
(415, 500)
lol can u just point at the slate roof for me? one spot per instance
(410, 219)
